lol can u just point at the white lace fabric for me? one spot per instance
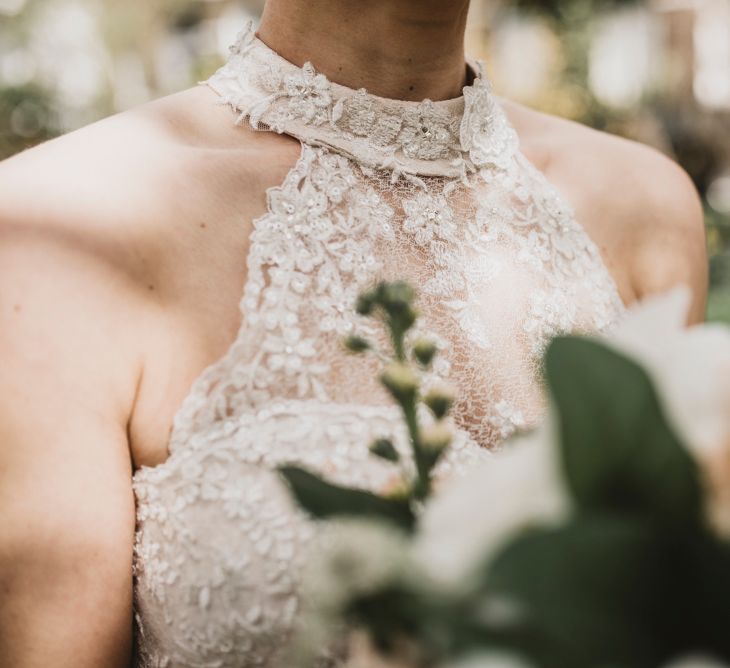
(435, 193)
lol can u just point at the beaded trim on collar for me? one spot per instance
(444, 138)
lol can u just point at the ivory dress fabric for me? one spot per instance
(436, 193)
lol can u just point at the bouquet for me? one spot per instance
(599, 540)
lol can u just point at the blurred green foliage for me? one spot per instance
(697, 140)
(569, 9)
(26, 118)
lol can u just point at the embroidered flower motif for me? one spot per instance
(364, 118)
(476, 112)
(428, 133)
(356, 257)
(290, 237)
(296, 205)
(334, 177)
(386, 129)
(557, 210)
(485, 131)
(370, 214)
(299, 95)
(309, 95)
(336, 312)
(495, 220)
(289, 352)
(429, 217)
(358, 113)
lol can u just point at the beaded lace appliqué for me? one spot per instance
(436, 193)
(452, 137)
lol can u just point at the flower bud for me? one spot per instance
(356, 344)
(440, 399)
(436, 438)
(397, 300)
(397, 488)
(424, 351)
(384, 448)
(365, 303)
(397, 296)
(400, 491)
(406, 318)
(401, 380)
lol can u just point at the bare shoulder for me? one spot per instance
(76, 240)
(125, 180)
(86, 244)
(116, 166)
(122, 242)
(115, 202)
(640, 207)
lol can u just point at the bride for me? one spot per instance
(176, 280)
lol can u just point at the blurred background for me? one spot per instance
(653, 70)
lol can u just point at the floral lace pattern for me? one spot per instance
(453, 137)
(429, 218)
(434, 193)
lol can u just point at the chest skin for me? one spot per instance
(191, 313)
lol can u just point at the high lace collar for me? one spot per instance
(444, 138)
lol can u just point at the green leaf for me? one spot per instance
(597, 592)
(324, 500)
(619, 451)
(706, 580)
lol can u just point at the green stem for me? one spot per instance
(422, 487)
(397, 337)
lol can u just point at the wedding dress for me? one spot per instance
(436, 193)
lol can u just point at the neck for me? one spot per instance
(402, 49)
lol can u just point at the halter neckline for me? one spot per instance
(442, 138)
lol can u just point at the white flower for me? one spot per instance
(690, 365)
(349, 557)
(476, 515)
(353, 557)
(691, 371)
(489, 660)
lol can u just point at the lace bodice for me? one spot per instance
(436, 193)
